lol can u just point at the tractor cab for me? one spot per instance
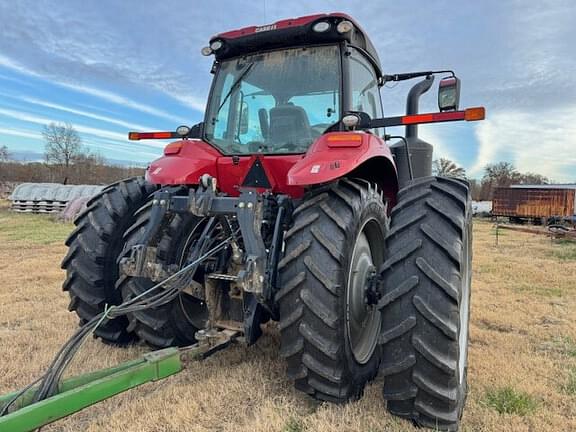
(278, 88)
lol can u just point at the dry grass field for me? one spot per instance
(522, 370)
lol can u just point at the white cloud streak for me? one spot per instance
(544, 144)
(94, 116)
(105, 136)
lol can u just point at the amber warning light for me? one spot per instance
(136, 136)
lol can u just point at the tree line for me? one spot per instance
(66, 161)
(499, 174)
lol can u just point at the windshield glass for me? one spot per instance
(275, 102)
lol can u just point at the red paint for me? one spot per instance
(318, 165)
(135, 136)
(197, 157)
(288, 174)
(433, 117)
(194, 159)
(294, 22)
(231, 176)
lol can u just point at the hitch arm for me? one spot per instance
(77, 393)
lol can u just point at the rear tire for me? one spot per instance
(174, 323)
(425, 302)
(93, 248)
(328, 334)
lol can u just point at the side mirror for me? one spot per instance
(449, 94)
(196, 131)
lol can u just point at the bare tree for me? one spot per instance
(501, 174)
(447, 168)
(63, 144)
(533, 178)
(4, 154)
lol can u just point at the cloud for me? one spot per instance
(127, 125)
(19, 132)
(40, 120)
(121, 100)
(92, 91)
(544, 144)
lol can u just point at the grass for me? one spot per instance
(563, 345)
(519, 340)
(36, 229)
(293, 425)
(506, 400)
(570, 386)
(565, 250)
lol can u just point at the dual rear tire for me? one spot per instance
(424, 291)
(426, 302)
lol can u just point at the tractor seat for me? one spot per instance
(289, 125)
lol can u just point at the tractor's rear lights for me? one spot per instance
(321, 27)
(344, 140)
(475, 114)
(344, 137)
(206, 51)
(216, 45)
(173, 148)
(344, 26)
(136, 136)
(350, 120)
(182, 130)
(432, 117)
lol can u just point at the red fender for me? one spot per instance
(332, 156)
(192, 158)
(337, 154)
(185, 167)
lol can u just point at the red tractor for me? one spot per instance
(286, 204)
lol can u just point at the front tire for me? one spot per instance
(425, 302)
(328, 331)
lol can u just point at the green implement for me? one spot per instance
(77, 393)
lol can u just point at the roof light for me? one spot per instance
(206, 51)
(183, 130)
(321, 27)
(350, 120)
(216, 45)
(344, 26)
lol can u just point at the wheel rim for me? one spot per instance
(464, 311)
(363, 319)
(194, 309)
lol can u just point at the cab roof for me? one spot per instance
(293, 32)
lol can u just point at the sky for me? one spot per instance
(109, 67)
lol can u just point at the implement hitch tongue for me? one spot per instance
(23, 414)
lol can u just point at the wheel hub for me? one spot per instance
(363, 318)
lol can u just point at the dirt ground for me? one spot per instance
(522, 367)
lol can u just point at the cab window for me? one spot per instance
(365, 95)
